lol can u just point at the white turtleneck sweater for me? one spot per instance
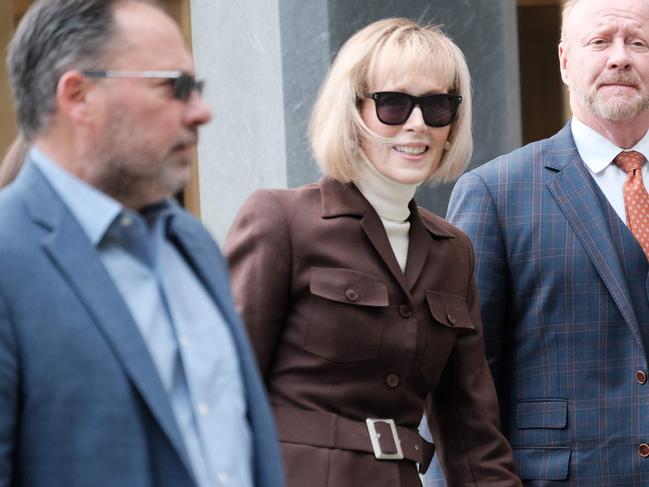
(390, 200)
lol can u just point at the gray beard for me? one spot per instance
(615, 109)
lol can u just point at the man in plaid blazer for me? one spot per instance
(563, 281)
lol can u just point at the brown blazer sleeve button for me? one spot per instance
(351, 294)
(641, 377)
(643, 450)
(451, 319)
(392, 380)
(405, 311)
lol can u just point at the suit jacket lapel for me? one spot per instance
(573, 192)
(419, 246)
(340, 199)
(75, 257)
(204, 257)
(205, 260)
(375, 232)
(205, 263)
(422, 243)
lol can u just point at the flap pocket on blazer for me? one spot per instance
(348, 286)
(542, 413)
(449, 309)
(542, 463)
(348, 313)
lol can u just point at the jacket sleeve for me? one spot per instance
(259, 255)
(8, 399)
(472, 209)
(464, 417)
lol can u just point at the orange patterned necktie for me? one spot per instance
(636, 198)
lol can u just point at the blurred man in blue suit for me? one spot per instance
(122, 359)
(561, 266)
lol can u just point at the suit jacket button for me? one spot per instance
(392, 380)
(641, 377)
(451, 319)
(643, 450)
(351, 294)
(405, 311)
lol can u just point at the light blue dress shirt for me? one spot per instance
(183, 328)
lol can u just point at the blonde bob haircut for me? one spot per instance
(387, 50)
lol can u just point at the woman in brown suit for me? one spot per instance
(362, 307)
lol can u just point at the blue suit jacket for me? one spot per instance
(561, 334)
(81, 402)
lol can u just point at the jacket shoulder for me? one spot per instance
(286, 196)
(517, 161)
(431, 220)
(522, 161)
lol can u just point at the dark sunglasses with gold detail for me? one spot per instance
(394, 107)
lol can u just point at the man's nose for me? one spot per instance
(198, 113)
(619, 55)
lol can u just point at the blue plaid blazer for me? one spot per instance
(562, 336)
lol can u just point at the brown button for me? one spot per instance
(351, 294)
(641, 377)
(451, 319)
(643, 450)
(392, 380)
(405, 311)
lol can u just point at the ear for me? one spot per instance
(73, 94)
(563, 62)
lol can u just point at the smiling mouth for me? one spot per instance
(411, 150)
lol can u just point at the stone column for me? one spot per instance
(264, 62)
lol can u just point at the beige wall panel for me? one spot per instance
(11, 12)
(7, 116)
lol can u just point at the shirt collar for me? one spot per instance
(94, 210)
(597, 151)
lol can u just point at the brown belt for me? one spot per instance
(327, 430)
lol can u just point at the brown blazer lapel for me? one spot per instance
(424, 232)
(375, 231)
(345, 199)
(419, 246)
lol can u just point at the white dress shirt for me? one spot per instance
(598, 153)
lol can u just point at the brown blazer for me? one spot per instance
(341, 335)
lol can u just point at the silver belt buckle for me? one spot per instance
(376, 444)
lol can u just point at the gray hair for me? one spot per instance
(53, 37)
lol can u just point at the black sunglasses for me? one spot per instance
(183, 84)
(394, 108)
